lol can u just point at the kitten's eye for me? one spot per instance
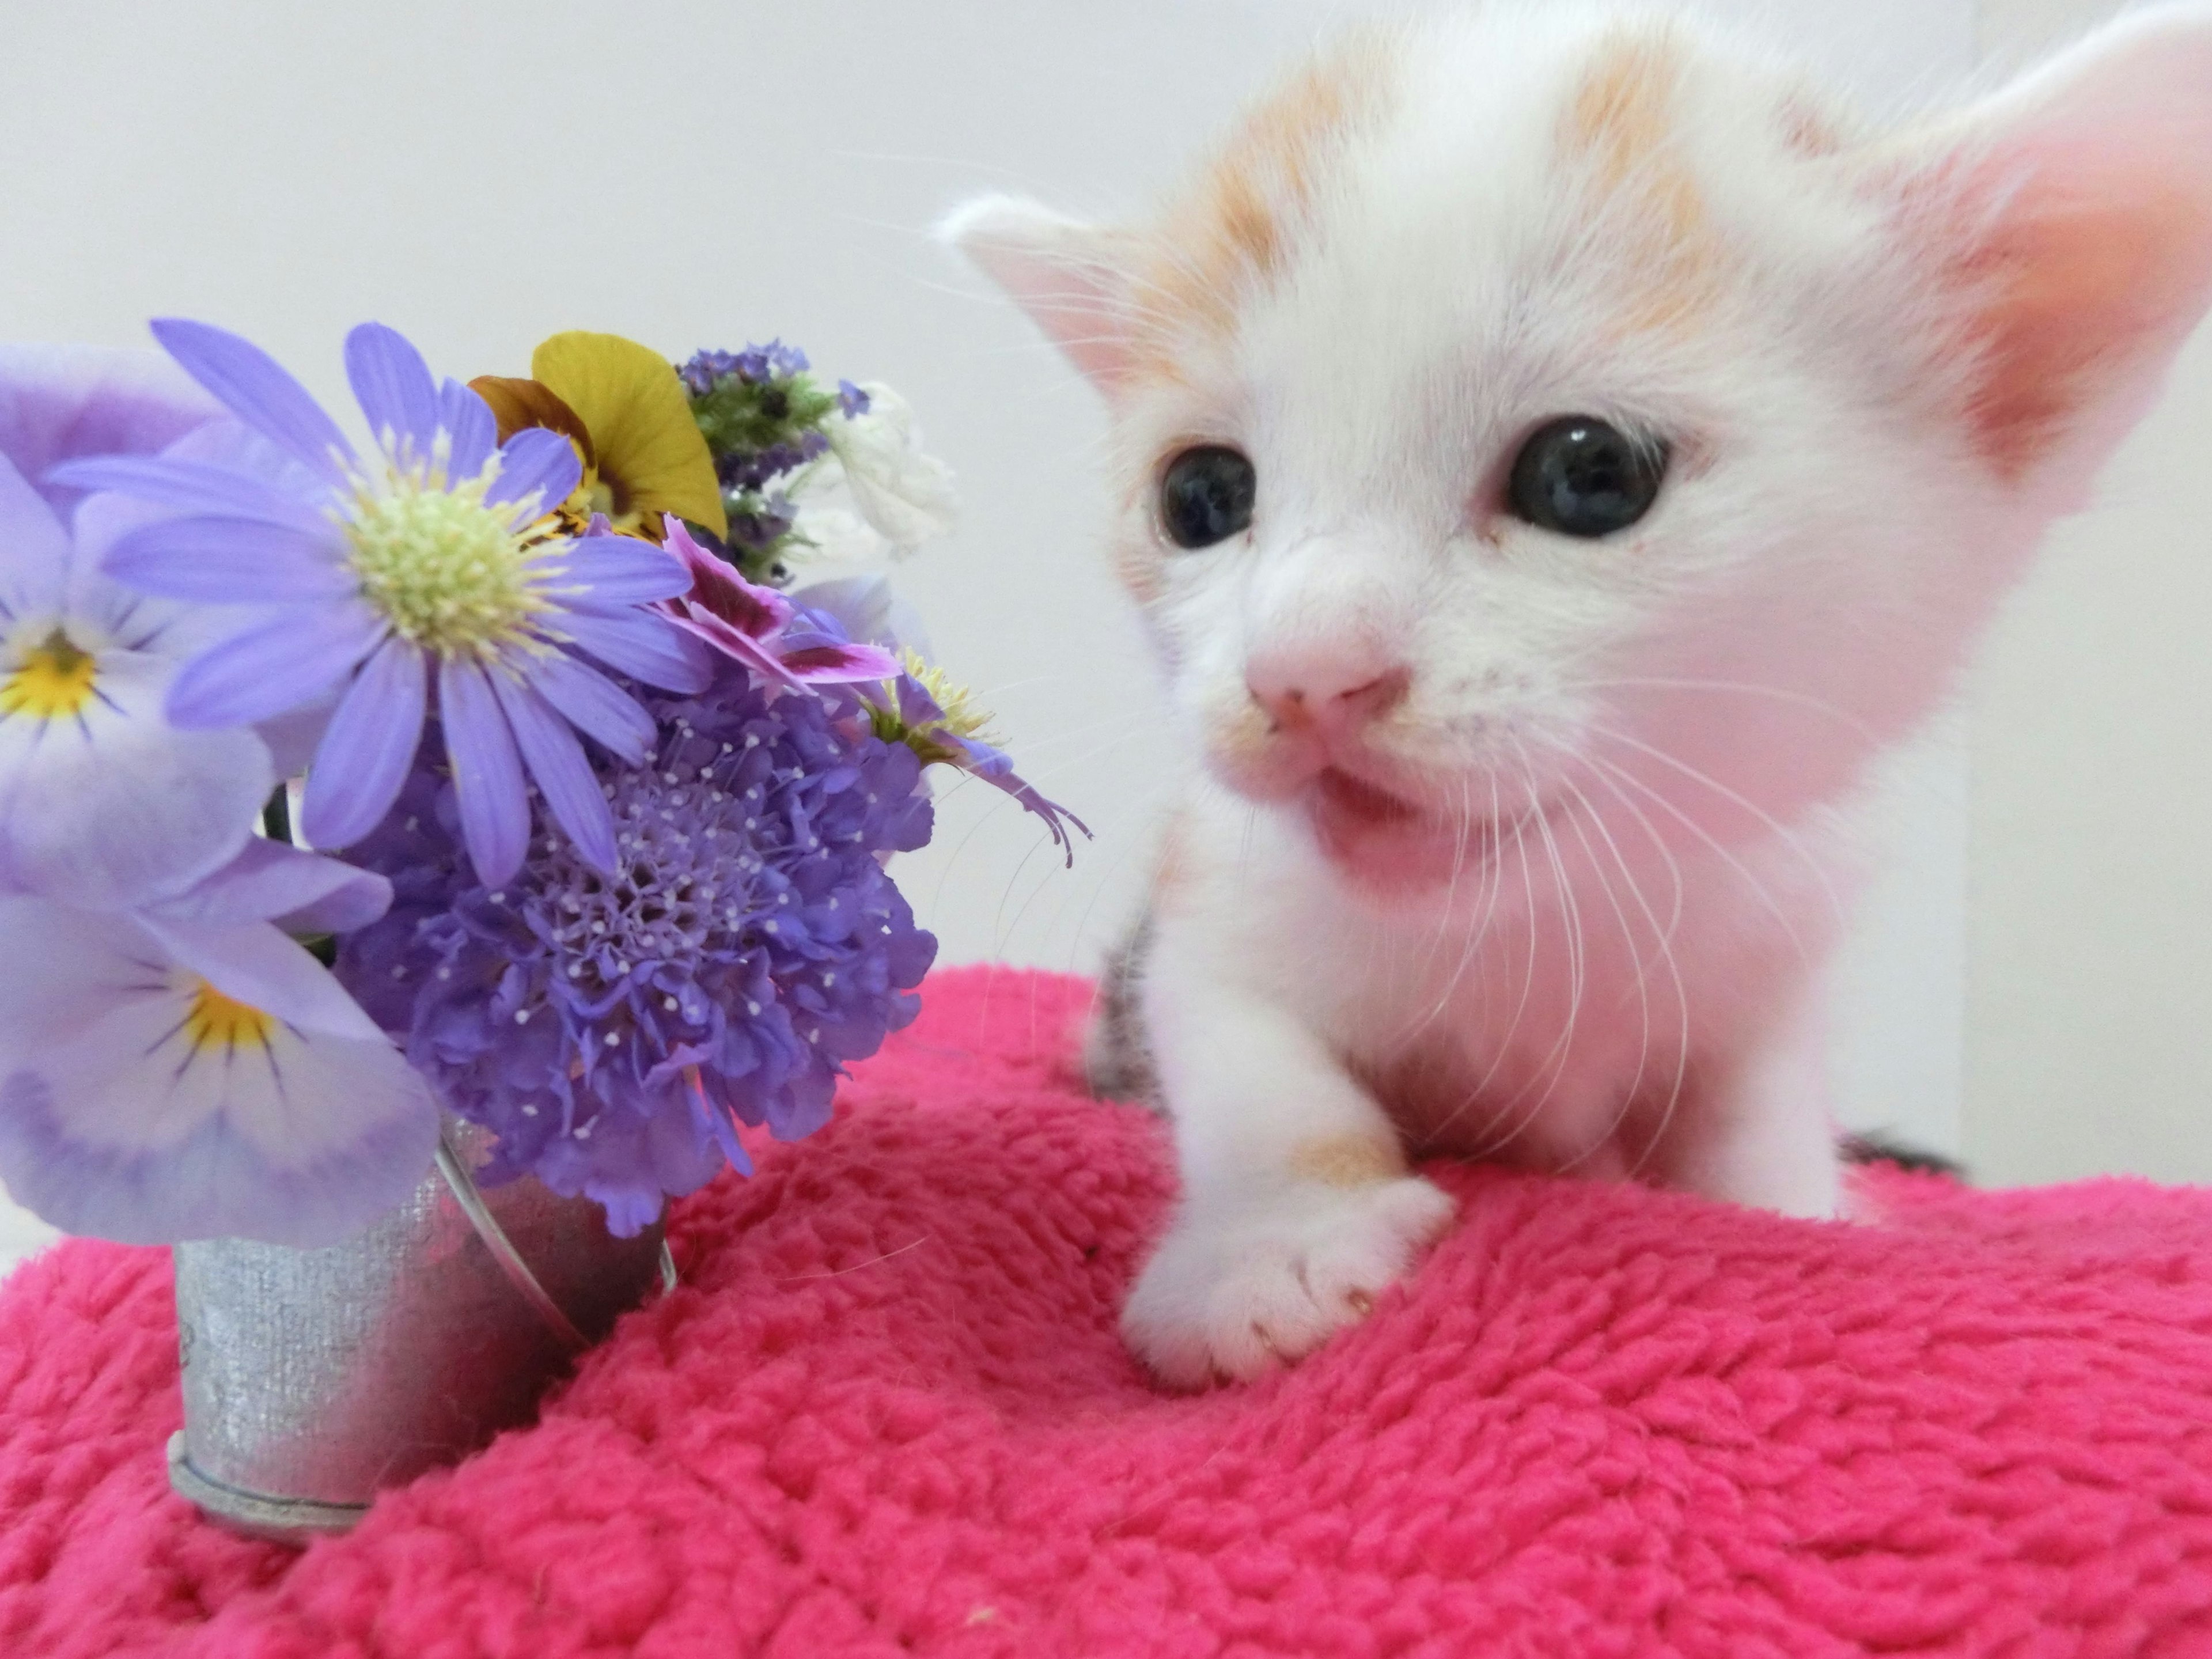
(1582, 478)
(1206, 495)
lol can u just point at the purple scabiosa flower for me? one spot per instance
(103, 802)
(184, 1070)
(428, 559)
(608, 1026)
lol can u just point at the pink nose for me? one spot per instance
(1331, 698)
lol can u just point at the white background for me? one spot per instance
(696, 174)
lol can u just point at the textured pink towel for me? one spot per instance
(887, 1414)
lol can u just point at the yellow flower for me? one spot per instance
(623, 407)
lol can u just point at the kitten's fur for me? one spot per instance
(1575, 928)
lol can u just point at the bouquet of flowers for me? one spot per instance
(598, 808)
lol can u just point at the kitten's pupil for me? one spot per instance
(1206, 495)
(1581, 477)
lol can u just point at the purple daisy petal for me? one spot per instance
(642, 646)
(367, 749)
(468, 421)
(393, 387)
(274, 667)
(536, 460)
(620, 570)
(193, 486)
(487, 772)
(593, 704)
(230, 561)
(249, 384)
(298, 891)
(564, 778)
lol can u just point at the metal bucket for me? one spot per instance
(313, 1379)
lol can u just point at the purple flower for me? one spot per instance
(756, 625)
(921, 708)
(852, 399)
(186, 1071)
(102, 801)
(608, 1026)
(432, 553)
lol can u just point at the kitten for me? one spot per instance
(1557, 452)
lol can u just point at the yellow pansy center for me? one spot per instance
(450, 573)
(216, 1021)
(54, 680)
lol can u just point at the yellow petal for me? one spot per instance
(647, 445)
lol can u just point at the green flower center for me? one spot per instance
(450, 573)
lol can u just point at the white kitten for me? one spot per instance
(1559, 452)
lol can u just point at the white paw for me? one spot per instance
(1238, 1287)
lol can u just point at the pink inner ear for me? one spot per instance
(2084, 283)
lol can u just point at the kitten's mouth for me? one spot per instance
(1383, 838)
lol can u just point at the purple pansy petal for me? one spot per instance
(592, 703)
(257, 964)
(394, 388)
(368, 747)
(229, 562)
(468, 420)
(57, 403)
(536, 460)
(252, 386)
(277, 666)
(618, 570)
(35, 553)
(642, 646)
(298, 891)
(114, 808)
(487, 772)
(113, 1123)
(557, 761)
(192, 486)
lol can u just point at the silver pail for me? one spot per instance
(313, 1379)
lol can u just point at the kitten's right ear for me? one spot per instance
(1072, 278)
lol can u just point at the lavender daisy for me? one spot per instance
(609, 1026)
(372, 571)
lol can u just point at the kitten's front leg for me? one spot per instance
(1296, 1207)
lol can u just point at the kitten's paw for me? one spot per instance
(1233, 1292)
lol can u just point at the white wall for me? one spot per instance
(481, 175)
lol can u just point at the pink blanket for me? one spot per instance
(887, 1414)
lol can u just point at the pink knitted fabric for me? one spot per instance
(888, 1414)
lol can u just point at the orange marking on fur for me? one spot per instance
(1348, 1160)
(1622, 120)
(1172, 874)
(1237, 229)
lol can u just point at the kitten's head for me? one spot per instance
(1532, 415)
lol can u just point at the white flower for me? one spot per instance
(876, 475)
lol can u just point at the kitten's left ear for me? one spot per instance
(2070, 217)
(1072, 278)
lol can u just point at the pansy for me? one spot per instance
(102, 800)
(185, 1070)
(623, 407)
(760, 627)
(430, 557)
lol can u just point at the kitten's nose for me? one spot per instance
(1332, 697)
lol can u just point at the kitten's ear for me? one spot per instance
(1072, 278)
(2071, 219)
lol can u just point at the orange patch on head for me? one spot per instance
(1348, 1160)
(1236, 230)
(1621, 124)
